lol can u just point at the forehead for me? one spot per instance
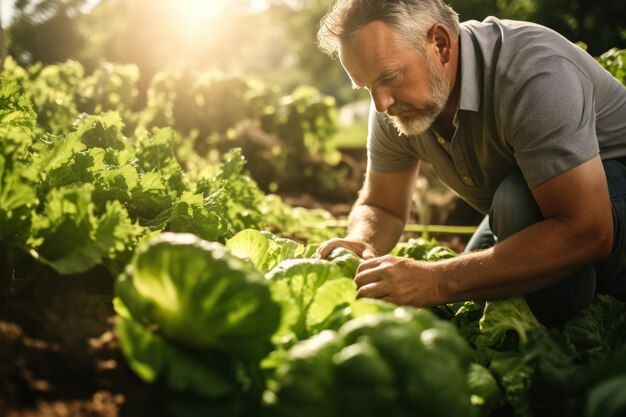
(371, 51)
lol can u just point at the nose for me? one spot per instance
(382, 98)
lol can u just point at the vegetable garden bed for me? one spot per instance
(140, 278)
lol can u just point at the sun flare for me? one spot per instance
(195, 13)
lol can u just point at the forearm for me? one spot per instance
(375, 227)
(532, 259)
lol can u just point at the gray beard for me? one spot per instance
(439, 89)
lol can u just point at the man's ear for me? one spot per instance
(441, 40)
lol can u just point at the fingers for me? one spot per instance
(368, 253)
(370, 263)
(327, 247)
(370, 283)
(377, 289)
(366, 277)
(359, 248)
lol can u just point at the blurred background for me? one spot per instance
(243, 73)
(269, 39)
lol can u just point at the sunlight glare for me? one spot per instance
(198, 12)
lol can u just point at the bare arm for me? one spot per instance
(577, 231)
(378, 216)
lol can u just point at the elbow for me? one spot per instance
(604, 245)
(599, 243)
(589, 241)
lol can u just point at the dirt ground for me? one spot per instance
(59, 357)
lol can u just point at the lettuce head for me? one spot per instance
(197, 294)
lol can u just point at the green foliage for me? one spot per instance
(423, 250)
(484, 390)
(608, 399)
(17, 192)
(543, 373)
(311, 225)
(367, 366)
(152, 357)
(299, 286)
(598, 329)
(505, 324)
(403, 362)
(68, 235)
(264, 249)
(345, 259)
(200, 295)
(286, 138)
(81, 190)
(614, 60)
(599, 24)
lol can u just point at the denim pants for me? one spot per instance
(514, 208)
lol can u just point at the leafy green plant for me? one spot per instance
(405, 362)
(614, 60)
(198, 294)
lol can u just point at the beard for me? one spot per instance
(439, 89)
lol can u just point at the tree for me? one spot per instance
(46, 30)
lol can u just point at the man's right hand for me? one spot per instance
(363, 250)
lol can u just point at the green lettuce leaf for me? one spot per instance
(367, 382)
(200, 296)
(505, 323)
(598, 329)
(264, 249)
(191, 213)
(414, 248)
(71, 238)
(347, 260)
(243, 207)
(607, 399)
(152, 358)
(483, 387)
(331, 296)
(104, 130)
(294, 284)
(305, 382)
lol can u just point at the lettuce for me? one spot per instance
(199, 295)
(152, 357)
(598, 329)
(71, 238)
(484, 390)
(345, 259)
(422, 250)
(264, 249)
(607, 399)
(308, 290)
(399, 363)
(505, 322)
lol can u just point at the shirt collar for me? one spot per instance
(471, 74)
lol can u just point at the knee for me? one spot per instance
(513, 208)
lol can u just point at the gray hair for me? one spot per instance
(411, 18)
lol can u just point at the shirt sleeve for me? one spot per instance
(387, 150)
(551, 120)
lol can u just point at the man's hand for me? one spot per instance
(398, 280)
(377, 218)
(363, 250)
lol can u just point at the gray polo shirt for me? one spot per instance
(529, 100)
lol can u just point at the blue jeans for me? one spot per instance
(514, 208)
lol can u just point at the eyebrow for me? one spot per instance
(385, 74)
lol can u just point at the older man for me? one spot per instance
(522, 124)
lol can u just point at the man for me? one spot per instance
(522, 124)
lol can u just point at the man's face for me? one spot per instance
(410, 88)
